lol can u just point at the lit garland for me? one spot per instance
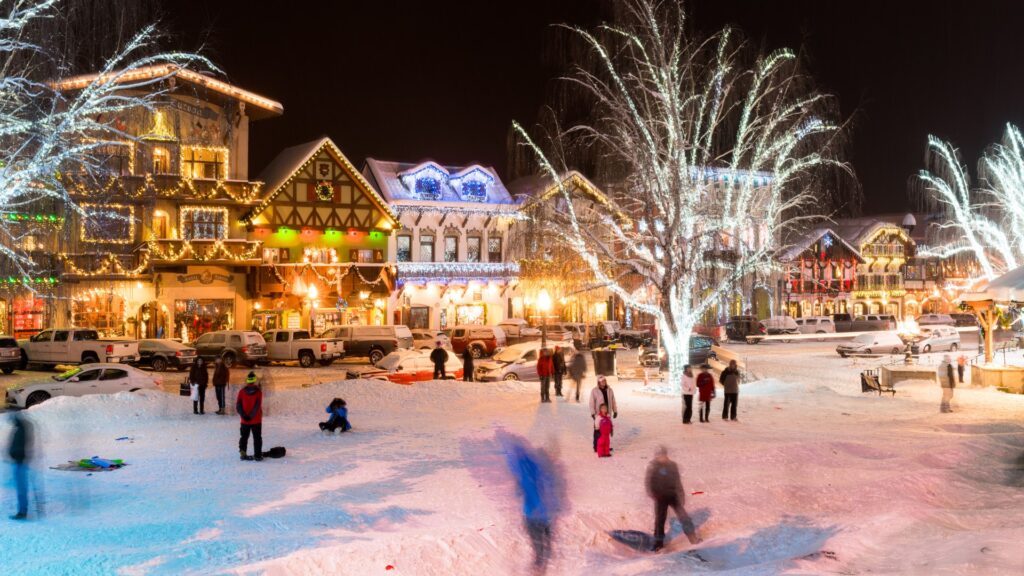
(110, 265)
(9, 281)
(185, 188)
(131, 223)
(338, 271)
(219, 211)
(458, 268)
(472, 183)
(324, 191)
(510, 211)
(217, 250)
(34, 218)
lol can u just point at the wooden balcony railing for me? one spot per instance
(236, 252)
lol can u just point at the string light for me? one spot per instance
(216, 250)
(107, 208)
(194, 149)
(219, 211)
(110, 265)
(146, 186)
(34, 218)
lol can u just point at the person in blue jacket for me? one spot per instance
(338, 417)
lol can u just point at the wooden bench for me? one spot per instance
(869, 383)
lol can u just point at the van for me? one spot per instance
(815, 325)
(373, 342)
(936, 320)
(934, 338)
(883, 342)
(480, 340)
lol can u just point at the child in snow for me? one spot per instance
(338, 416)
(706, 385)
(603, 424)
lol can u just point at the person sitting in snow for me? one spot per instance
(603, 427)
(338, 416)
(706, 385)
(250, 410)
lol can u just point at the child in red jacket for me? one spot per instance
(603, 423)
(250, 411)
(706, 385)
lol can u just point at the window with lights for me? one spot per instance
(474, 191)
(428, 188)
(426, 247)
(200, 223)
(201, 162)
(109, 223)
(451, 249)
(404, 248)
(473, 249)
(493, 249)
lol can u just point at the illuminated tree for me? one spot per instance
(707, 155)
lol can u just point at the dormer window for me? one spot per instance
(426, 181)
(472, 183)
(474, 190)
(428, 188)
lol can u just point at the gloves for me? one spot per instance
(615, 414)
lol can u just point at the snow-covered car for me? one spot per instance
(778, 325)
(102, 378)
(516, 362)
(700, 352)
(882, 342)
(406, 367)
(934, 338)
(936, 320)
(428, 339)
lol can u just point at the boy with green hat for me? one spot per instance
(250, 410)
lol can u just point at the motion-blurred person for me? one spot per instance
(538, 484)
(665, 487)
(20, 453)
(948, 383)
(961, 365)
(577, 369)
(221, 376)
(558, 369)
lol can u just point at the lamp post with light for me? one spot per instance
(544, 305)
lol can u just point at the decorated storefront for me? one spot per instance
(819, 275)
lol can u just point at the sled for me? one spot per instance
(644, 541)
(93, 464)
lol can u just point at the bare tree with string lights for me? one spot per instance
(709, 154)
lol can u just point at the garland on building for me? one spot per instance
(324, 191)
(243, 192)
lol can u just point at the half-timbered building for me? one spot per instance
(819, 274)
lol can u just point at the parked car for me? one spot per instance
(965, 320)
(373, 342)
(407, 366)
(481, 340)
(739, 327)
(161, 354)
(700, 352)
(516, 362)
(105, 378)
(881, 342)
(75, 346)
(517, 328)
(291, 344)
(574, 332)
(935, 338)
(10, 354)
(428, 339)
(245, 346)
(815, 325)
(779, 325)
(936, 320)
(867, 323)
(635, 338)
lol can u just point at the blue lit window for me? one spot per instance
(474, 190)
(428, 188)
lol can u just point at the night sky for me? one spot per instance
(444, 80)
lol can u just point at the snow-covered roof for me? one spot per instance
(1007, 288)
(807, 240)
(396, 182)
(857, 230)
(533, 190)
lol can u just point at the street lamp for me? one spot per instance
(544, 305)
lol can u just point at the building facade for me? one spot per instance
(819, 275)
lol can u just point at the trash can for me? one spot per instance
(604, 362)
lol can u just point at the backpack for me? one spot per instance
(275, 452)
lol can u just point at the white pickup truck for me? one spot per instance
(287, 345)
(76, 346)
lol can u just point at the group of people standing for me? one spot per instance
(439, 357)
(703, 386)
(551, 366)
(199, 379)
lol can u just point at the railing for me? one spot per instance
(106, 265)
(170, 186)
(441, 271)
(229, 251)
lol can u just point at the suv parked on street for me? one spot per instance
(481, 340)
(245, 346)
(815, 325)
(373, 342)
(10, 354)
(161, 354)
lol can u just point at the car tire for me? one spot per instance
(896, 350)
(326, 363)
(90, 358)
(953, 347)
(306, 359)
(867, 350)
(842, 354)
(36, 398)
(229, 360)
(510, 377)
(476, 352)
(927, 348)
(159, 364)
(375, 355)
(7, 369)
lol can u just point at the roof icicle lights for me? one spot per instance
(425, 180)
(472, 183)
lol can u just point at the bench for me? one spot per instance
(869, 383)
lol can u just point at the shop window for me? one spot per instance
(102, 311)
(419, 317)
(203, 162)
(193, 318)
(473, 249)
(494, 249)
(204, 223)
(108, 223)
(28, 316)
(426, 247)
(451, 249)
(471, 314)
(404, 244)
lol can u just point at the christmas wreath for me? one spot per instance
(324, 190)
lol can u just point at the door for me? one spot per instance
(86, 382)
(277, 345)
(112, 381)
(526, 367)
(41, 343)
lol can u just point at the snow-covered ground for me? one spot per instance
(816, 478)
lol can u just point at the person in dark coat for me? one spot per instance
(577, 369)
(249, 406)
(438, 356)
(730, 379)
(338, 418)
(20, 453)
(467, 365)
(198, 376)
(558, 369)
(665, 487)
(221, 376)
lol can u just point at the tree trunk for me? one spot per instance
(676, 341)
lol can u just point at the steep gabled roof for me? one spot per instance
(388, 176)
(537, 189)
(290, 161)
(857, 230)
(807, 240)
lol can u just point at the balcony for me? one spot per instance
(172, 186)
(349, 277)
(446, 272)
(105, 266)
(229, 252)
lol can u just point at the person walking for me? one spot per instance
(577, 369)
(20, 453)
(602, 394)
(948, 383)
(665, 486)
(545, 367)
(706, 385)
(730, 380)
(249, 406)
(200, 378)
(467, 365)
(604, 429)
(537, 485)
(961, 365)
(221, 376)
(689, 386)
(439, 357)
(558, 369)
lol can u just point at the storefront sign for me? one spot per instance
(205, 277)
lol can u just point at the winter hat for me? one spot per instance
(251, 378)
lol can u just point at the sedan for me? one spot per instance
(102, 378)
(406, 367)
(163, 354)
(517, 362)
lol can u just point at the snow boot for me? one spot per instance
(323, 426)
(244, 455)
(258, 457)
